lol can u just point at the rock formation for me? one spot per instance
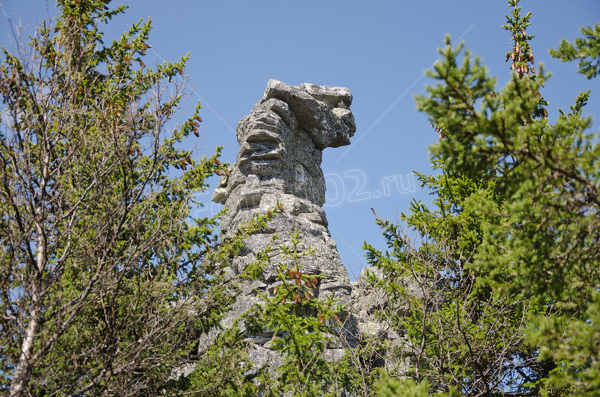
(279, 162)
(281, 144)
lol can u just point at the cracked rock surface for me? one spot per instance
(279, 163)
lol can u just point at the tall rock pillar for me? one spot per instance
(279, 162)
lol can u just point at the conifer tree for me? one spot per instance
(515, 230)
(105, 278)
(543, 240)
(586, 49)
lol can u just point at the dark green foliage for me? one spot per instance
(543, 238)
(586, 50)
(107, 283)
(302, 329)
(461, 334)
(508, 264)
(390, 387)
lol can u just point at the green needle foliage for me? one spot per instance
(107, 283)
(105, 279)
(462, 335)
(586, 49)
(303, 327)
(389, 387)
(507, 265)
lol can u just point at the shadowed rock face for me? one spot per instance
(281, 144)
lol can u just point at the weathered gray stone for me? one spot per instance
(333, 355)
(367, 301)
(279, 163)
(373, 328)
(261, 357)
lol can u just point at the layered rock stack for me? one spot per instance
(279, 163)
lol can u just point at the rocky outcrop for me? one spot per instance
(367, 301)
(279, 164)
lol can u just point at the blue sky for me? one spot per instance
(377, 49)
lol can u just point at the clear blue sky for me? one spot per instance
(378, 50)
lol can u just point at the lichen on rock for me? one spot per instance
(279, 163)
